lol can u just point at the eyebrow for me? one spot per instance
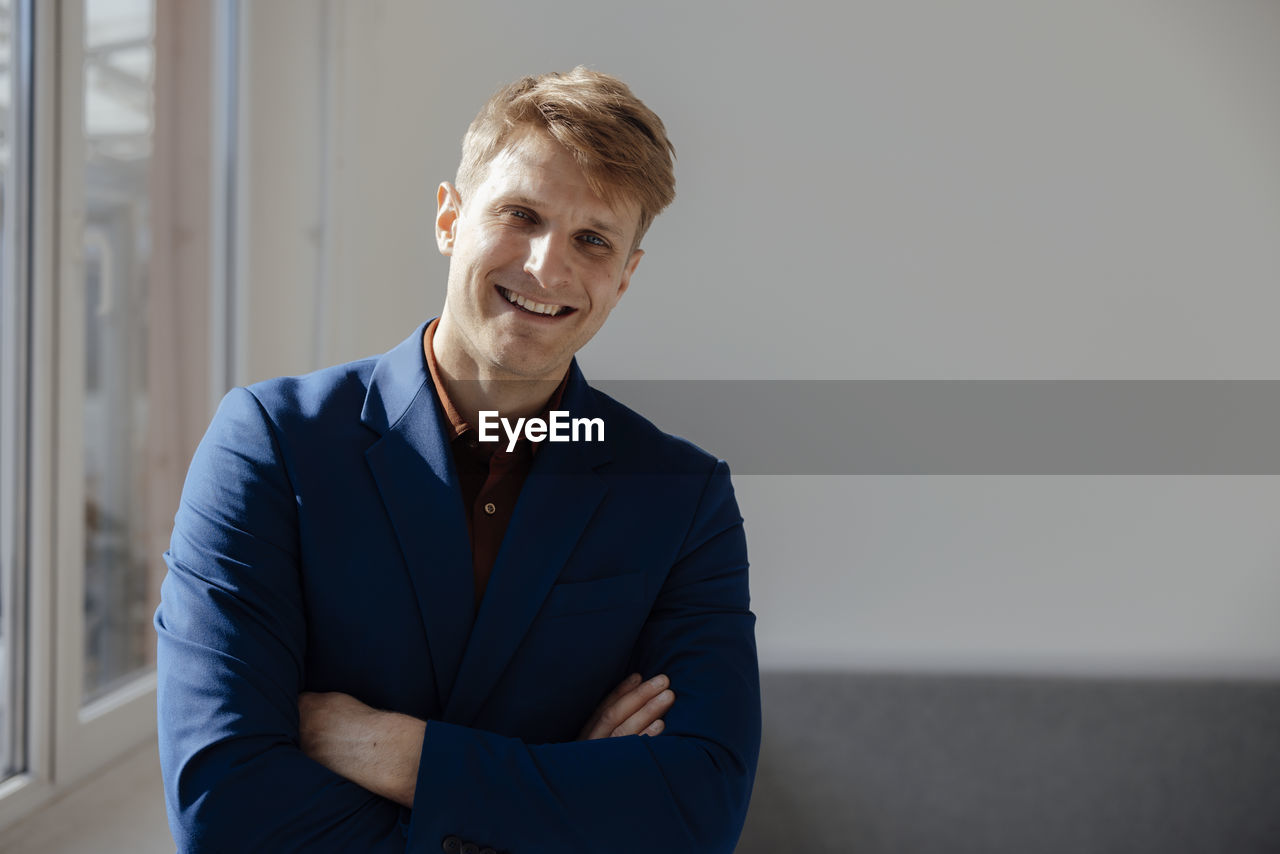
(598, 225)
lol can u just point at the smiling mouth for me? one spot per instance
(528, 306)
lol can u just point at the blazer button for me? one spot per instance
(452, 844)
(470, 848)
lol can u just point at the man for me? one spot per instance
(381, 633)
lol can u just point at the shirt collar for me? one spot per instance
(458, 425)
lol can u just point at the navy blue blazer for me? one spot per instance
(321, 545)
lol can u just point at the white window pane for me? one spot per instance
(118, 89)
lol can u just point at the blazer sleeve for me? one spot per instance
(685, 790)
(231, 635)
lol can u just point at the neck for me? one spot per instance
(472, 387)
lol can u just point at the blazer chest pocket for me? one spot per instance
(599, 594)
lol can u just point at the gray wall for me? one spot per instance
(920, 190)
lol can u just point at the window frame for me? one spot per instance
(87, 734)
(34, 520)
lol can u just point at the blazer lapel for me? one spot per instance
(558, 499)
(413, 467)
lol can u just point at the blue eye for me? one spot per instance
(596, 240)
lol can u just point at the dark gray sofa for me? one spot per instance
(866, 763)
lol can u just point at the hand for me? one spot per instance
(633, 708)
(377, 750)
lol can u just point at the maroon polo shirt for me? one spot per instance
(490, 477)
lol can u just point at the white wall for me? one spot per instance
(919, 190)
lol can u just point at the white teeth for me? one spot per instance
(530, 305)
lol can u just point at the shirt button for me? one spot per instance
(490, 508)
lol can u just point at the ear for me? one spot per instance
(448, 209)
(627, 270)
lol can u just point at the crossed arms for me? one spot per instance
(241, 772)
(380, 751)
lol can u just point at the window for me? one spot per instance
(105, 333)
(119, 590)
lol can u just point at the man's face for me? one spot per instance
(538, 262)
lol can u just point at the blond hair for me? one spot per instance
(619, 143)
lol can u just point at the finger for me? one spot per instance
(628, 704)
(617, 712)
(646, 715)
(625, 686)
(622, 688)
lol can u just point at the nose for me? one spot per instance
(548, 260)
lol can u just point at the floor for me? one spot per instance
(121, 809)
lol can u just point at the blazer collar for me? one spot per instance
(413, 468)
(398, 379)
